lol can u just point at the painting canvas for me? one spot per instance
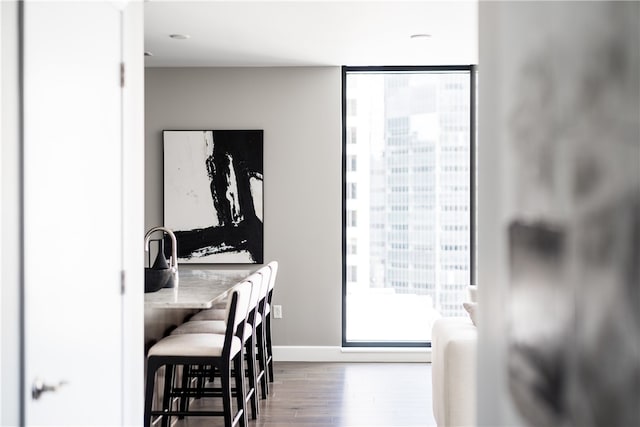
(573, 140)
(213, 201)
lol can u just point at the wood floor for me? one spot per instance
(339, 394)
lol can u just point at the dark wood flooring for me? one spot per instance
(339, 394)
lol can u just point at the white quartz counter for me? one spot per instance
(197, 289)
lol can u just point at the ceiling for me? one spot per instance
(309, 33)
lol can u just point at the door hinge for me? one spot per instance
(122, 282)
(122, 74)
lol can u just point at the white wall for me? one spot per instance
(494, 408)
(133, 208)
(300, 112)
(9, 213)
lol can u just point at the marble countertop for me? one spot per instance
(197, 288)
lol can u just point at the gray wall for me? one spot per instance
(300, 112)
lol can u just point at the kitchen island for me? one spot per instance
(197, 289)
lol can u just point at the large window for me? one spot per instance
(408, 257)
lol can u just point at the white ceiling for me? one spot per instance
(310, 33)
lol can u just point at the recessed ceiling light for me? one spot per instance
(420, 36)
(179, 36)
(147, 53)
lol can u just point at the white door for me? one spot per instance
(73, 212)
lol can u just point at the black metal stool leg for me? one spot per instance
(166, 397)
(152, 367)
(184, 397)
(238, 367)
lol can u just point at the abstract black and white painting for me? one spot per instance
(573, 146)
(213, 194)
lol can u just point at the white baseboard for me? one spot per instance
(350, 354)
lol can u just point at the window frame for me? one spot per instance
(472, 69)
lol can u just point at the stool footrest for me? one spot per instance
(189, 413)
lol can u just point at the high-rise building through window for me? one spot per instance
(412, 243)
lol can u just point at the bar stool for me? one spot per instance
(261, 342)
(219, 350)
(263, 324)
(259, 285)
(273, 265)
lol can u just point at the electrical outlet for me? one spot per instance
(277, 312)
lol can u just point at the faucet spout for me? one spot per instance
(173, 262)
